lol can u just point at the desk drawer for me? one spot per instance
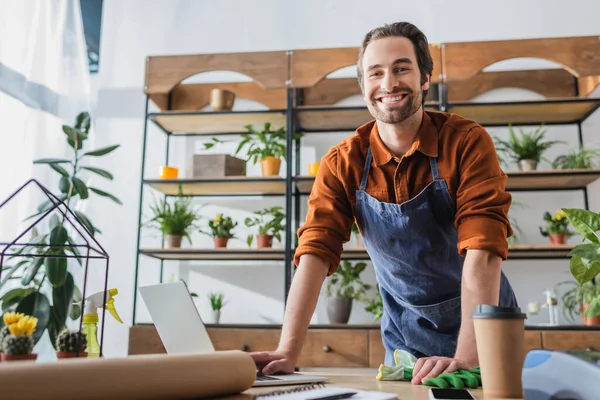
(571, 340)
(343, 348)
(245, 339)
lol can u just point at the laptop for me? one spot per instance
(184, 332)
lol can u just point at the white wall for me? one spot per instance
(135, 29)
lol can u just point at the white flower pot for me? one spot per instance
(216, 316)
(528, 165)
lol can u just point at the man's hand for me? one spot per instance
(272, 362)
(431, 367)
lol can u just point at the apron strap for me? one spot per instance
(367, 168)
(434, 168)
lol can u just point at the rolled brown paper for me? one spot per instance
(499, 334)
(155, 376)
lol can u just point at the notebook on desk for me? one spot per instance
(321, 392)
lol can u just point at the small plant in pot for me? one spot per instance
(217, 301)
(176, 220)
(221, 230)
(17, 343)
(70, 344)
(581, 158)
(557, 227)
(343, 287)
(270, 225)
(577, 300)
(585, 259)
(525, 150)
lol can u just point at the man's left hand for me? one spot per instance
(431, 367)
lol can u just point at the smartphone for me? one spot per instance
(450, 394)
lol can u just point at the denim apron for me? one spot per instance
(413, 248)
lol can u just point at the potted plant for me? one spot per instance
(71, 344)
(581, 158)
(577, 300)
(527, 149)
(343, 287)
(557, 227)
(217, 301)
(176, 220)
(270, 225)
(17, 344)
(221, 230)
(585, 258)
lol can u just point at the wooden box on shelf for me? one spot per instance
(215, 166)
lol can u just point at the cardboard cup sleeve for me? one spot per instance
(155, 376)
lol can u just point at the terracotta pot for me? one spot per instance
(221, 100)
(18, 357)
(270, 166)
(173, 241)
(528, 165)
(556, 239)
(589, 321)
(67, 354)
(264, 241)
(339, 309)
(221, 242)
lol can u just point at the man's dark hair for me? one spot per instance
(409, 31)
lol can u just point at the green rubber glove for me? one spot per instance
(457, 379)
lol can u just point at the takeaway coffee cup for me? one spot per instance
(499, 333)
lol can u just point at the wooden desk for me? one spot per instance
(404, 390)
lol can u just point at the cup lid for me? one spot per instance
(491, 311)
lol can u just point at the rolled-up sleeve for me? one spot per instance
(329, 217)
(482, 201)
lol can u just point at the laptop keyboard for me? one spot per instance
(266, 378)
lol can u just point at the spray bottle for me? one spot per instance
(90, 318)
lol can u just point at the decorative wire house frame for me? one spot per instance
(92, 248)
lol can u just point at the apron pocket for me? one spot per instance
(438, 313)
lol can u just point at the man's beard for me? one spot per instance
(395, 115)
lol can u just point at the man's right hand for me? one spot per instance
(273, 362)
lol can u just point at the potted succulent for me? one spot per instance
(585, 259)
(557, 228)
(217, 301)
(343, 287)
(17, 343)
(270, 225)
(176, 220)
(581, 158)
(527, 149)
(70, 344)
(221, 230)
(577, 300)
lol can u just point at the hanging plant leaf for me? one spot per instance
(52, 161)
(102, 151)
(54, 326)
(37, 305)
(34, 268)
(100, 172)
(61, 300)
(80, 187)
(104, 194)
(58, 236)
(56, 268)
(59, 169)
(85, 221)
(13, 297)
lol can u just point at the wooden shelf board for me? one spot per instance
(517, 181)
(515, 252)
(555, 111)
(208, 123)
(235, 185)
(335, 118)
(189, 254)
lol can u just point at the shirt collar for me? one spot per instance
(425, 142)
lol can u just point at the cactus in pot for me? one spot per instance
(18, 344)
(70, 344)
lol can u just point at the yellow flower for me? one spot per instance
(560, 215)
(25, 327)
(12, 317)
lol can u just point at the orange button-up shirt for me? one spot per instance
(467, 161)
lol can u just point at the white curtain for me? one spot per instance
(44, 83)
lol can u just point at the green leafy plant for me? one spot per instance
(581, 158)
(269, 222)
(556, 224)
(375, 306)
(177, 219)
(585, 256)
(346, 281)
(221, 227)
(260, 143)
(576, 296)
(527, 146)
(217, 300)
(45, 260)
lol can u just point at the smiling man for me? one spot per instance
(428, 195)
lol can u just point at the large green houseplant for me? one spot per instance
(45, 276)
(270, 225)
(526, 150)
(343, 287)
(585, 257)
